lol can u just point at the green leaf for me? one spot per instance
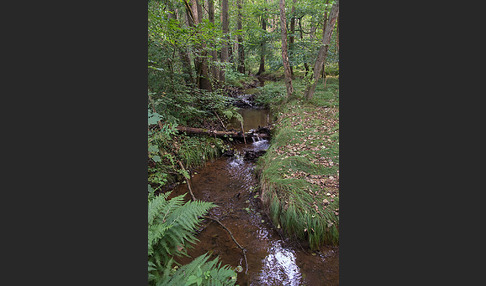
(191, 280)
(150, 189)
(153, 148)
(156, 158)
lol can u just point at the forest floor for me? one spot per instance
(299, 174)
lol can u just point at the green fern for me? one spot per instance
(201, 272)
(171, 226)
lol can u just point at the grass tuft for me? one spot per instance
(299, 174)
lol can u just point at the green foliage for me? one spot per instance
(299, 170)
(270, 94)
(171, 227)
(332, 69)
(237, 79)
(191, 151)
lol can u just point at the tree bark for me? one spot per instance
(225, 28)
(213, 53)
(306, 66)
(323, 34)
(321, 57)
(200, 61)
(184, 56)
(285, 57)
(261, 69)
(240, 48)
(291, 37)
(337, 34)
(217, 133)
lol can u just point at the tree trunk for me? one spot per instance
(337, 34)
(200, 61)
(225, 27)
(323, 32)
(240, 48)
(217, 133)
(291, 37)
(285, 57)
(321, 57)
(261, 69)
(306, 66)
(213, 53)
(184, 56)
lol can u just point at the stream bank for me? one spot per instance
(231, 183)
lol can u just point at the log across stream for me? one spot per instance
(230, 183)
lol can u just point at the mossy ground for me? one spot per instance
(299, 174)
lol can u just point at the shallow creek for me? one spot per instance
(230, 183)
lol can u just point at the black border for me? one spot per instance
(409, 121)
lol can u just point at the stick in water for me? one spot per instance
(232, 237)
(243, 130)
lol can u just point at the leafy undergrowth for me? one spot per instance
(191, 151)
(299, 174)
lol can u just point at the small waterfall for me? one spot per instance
(237, 159)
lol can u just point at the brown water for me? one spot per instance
(230, 183)
(252, 119)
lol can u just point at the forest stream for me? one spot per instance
(230, 183)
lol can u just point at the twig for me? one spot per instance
(220, 120)
(187, 180)
(232, 237)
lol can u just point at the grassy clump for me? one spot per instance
(299, 174)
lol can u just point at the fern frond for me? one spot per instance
(199, 267)
(184, 220)
(171, 226)
(155, 205)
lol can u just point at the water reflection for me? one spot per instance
(279, 267)
(252, 119)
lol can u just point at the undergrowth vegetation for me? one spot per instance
(171, 231)
(273, 93)
(299, 174)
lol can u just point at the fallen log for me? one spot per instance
(218, 133)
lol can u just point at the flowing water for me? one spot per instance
(230, 183)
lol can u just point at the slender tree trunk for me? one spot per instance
(306, 66)
(312, 34)
(200, 62)
(321, 57)
(337, 34)
(261, 69)
(240, 48)
(323, 32)
(183, 54)
(291, 37)
(285, 57)
(213, 53)
(225, 28)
